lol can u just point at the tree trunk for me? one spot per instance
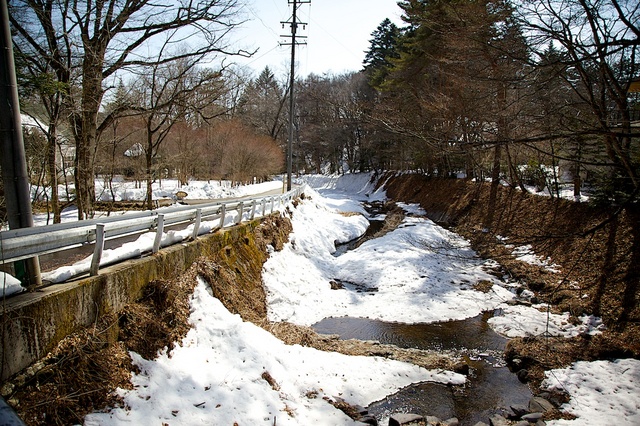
(148, 169)
(53, 172)
(85, 125)
(495, 183)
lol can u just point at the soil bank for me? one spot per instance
(597, 250)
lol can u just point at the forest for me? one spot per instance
(530, 94)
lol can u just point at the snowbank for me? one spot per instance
(358, 185)
(419, 272)
(217, 376)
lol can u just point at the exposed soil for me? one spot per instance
(597, 251)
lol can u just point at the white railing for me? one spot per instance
(23, 243)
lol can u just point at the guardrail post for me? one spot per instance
(272, 202)
(196, 225)
(223, 212)
(97, 250)
(240, 211)
(159, 231)
(253, 209)
(264, 206)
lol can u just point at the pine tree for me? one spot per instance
(383, 48)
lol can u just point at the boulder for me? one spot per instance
(368, 420)
(433, 420)
(451, 422)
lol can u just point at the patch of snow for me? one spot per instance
(413, 209)
(525, 321)
(526, 254)
(10, 284)
(602, 392)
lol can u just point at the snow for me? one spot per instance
(215, 377)
(602, 392)
(419, 272)
(10, 284)
(526, 321)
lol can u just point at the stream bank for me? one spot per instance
(595, 251)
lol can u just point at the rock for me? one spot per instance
(335, 285)
(400, 419)
(523, 375)
(433, 420)
(461, 368)
(532, 417)
(539, 405)
(519, 410)
(361, 410)
(368, 420)
(498, 420)
(481, 424)
(451, 422)
(522, 423)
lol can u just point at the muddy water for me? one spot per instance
(490, 386)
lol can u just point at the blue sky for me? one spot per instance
(338, 33)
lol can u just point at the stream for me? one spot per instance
(490, 387)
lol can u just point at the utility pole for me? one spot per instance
(294, 27)
(14, 164)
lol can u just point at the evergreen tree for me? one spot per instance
(383, 48)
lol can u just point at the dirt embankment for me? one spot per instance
(597, 250)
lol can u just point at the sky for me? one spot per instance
(338, 33)
(421, 273)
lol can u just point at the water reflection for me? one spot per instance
(489, 388)
(473, 333)
(374, 227)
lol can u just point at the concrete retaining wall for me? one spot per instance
(33, 323)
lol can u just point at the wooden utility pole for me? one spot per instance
(294, 27)
(14, 164)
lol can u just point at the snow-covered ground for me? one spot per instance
(216, 376)
(419, 272)
(167, 189)
(602, 392)
(424, 273)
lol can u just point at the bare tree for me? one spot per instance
(598, 45)
(98, 40)
(169, 93)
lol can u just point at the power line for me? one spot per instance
(294, 28)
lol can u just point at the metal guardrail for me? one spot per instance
(23, 243)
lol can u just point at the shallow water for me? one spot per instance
(374, 227)
(490, 386)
